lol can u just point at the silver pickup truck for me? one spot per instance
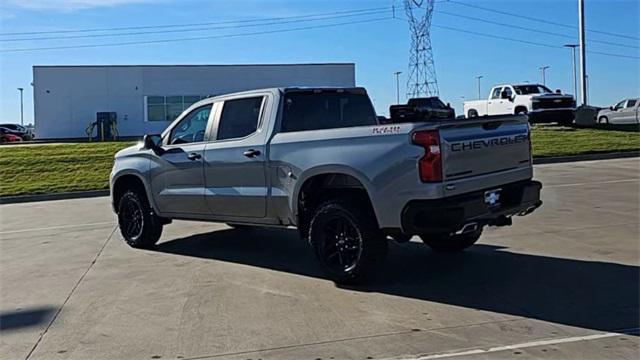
(317, 159)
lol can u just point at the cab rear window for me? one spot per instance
(326, 110)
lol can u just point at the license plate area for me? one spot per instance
(492, 198)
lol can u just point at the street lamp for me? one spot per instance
(542, 69)
(397, 74)
(478, 78)
(573, 59)
(21, 107)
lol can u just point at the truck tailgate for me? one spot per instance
(484, 145)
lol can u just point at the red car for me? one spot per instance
(5, 137)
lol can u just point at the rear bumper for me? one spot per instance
(551, 115)
(450, 214)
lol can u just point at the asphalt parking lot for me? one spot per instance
(561, 283)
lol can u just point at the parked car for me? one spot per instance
(318, 159)
(535, 100)
(421, 109)
(624, 112)
(18, 130)
(7, 137)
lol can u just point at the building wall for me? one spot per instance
(66, 98)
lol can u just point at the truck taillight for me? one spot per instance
(430, 165)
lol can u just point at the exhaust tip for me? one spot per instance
(468, 227)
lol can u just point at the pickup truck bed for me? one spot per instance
(317, 159)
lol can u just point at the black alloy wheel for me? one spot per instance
(131, 219)
(342, 243)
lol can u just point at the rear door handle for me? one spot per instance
(194, 156)
(251, 153)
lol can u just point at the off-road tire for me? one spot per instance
(472, 113)
(451, 243)
(360, 230)
(133, 206)
(603, 120)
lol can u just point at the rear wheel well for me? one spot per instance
(319, 188)
(124, 183)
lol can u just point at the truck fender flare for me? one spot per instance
(147, 190)
(327, 169)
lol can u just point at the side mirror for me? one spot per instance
(610, 107)
(151, 141)
(449, 105)
(558, 91)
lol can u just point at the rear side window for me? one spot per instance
(326, 110)
(631, 103)
(239, 118)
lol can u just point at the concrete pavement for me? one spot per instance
(561, 283)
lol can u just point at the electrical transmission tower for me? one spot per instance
(422, 72)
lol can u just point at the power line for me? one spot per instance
(540, 20)
(527, 42)
(195, 24)
(195, 38)
(196, 29)
(532, 29)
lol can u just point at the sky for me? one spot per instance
(466, 41)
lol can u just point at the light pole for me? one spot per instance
(397, 74)
(583, 62)
(542, 69)
(21, 107)
(573, 59)
(478, 78)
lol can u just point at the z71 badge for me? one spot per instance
(386, 130)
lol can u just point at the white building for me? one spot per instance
(146, 98)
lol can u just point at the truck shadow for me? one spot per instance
(587, 294)
(24, 318)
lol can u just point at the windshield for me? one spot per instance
(532, 89)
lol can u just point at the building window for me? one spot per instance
(168, 108)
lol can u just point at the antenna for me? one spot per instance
(421, 80)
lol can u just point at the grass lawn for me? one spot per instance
(41, 169)
(551, 140)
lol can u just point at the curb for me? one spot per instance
(50, 197)
(585, 157)
(99, 193)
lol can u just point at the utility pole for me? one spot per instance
(542, 69)
(478, 78)
(573, 62)
(21, 107)
(397, 74)
(583, 64)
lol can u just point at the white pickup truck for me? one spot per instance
(534, 100)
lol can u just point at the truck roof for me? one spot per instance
(523, 84)
(352, 89)
(296, 88)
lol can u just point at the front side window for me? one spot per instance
(496, 93)
(192, 127)
(619, 105)
(326, 110)
(239, 118)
